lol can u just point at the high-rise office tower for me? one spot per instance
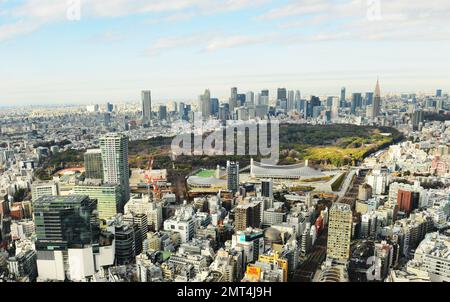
(66, 229)
(109, 107)
(356, 102)
(313, 103)
(232, 176)
(417, 119)
(146, 107)
(439, 93)
(233, 99)
(205, 103)
(250, 98)
(181, 110)
(107, 119)
(298, 95)
(329, 101)
(368, 99)
(267, 188)
(93, 164)
(343, 101)
(241, 99)
(335, 104)
(339, 232)
(215, 106)
(281, 94)
(224, 112)
(376, 106)
(290, 100)
(173, 107)
(162, 114)
(115, 162)
(125, 242)
(108, 196)
(264, 100)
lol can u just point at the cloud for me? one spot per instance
(30, 15)
(169, 43)
(235, 41)
(207, 42)
(365, 19)
(8, 31)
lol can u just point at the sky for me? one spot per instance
(94, 51)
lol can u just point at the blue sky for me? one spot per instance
(178, 48)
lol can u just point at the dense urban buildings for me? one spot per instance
(360, 192)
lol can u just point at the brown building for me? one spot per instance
(407, 201)
(247, 215)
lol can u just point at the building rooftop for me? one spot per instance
(49, 200)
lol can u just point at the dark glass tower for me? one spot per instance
(64, 222)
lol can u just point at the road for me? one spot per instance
(305, 272)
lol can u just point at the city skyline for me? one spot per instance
(178, 48)
(225, 98)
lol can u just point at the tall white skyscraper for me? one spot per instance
(115, 162)
(298, 95)
(233, 99)
(205, 102)
(290, 100)
(335, 104)
(147, 106)
(250, 98)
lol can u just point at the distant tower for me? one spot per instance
(205, 102)
(162, 114)
(147, 107)
(376, 107)
(233, 99)
(335, 108)
(343, 97)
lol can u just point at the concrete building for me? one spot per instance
(115, 162)
(182, 222)
(232, 176)
(144, 205)
(108, 196)
(146, 107)
(247, 215)
(433, 257)
(267, 188)
(40, 189)
(93, 164)
(339, 232)
(68, 239)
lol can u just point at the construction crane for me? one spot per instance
(149, 177)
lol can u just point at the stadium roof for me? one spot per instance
(290, 171)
